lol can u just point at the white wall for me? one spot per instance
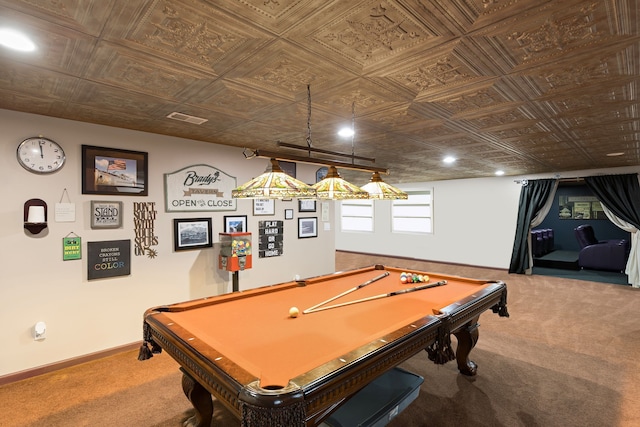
(474, 222)
(88, 316)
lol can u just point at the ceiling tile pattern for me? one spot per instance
(524, 86)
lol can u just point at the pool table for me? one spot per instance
(272, 369)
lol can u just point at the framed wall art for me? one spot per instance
(235, 224)
(288, 167)
(105, 214)
(192, 233)
(307, 227)
(264, 206)
(114, 171)
(321, 173)
(288, 214)
(306, 205)
(108, 259)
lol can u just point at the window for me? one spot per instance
(413, 215)
(357, 215)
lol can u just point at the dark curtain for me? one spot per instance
(533, 197)
(620, 194)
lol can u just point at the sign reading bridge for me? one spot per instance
(199, 188)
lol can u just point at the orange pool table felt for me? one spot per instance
(259, 335)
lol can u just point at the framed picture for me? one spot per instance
(114, 171)
(306, 205)
(192, 233)
(106, 214)
(235, 223)
(288, 214)
(307, 227)
(321, 173)
(264, 206)
(288, 167)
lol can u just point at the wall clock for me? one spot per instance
(40, 155)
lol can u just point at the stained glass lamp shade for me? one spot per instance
(378, 189)
(335, 188)
(273, 184)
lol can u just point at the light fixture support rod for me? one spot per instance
(320, 150)
(314, 161)
(353, 131)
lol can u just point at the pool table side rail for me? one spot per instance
(379, 267)
(223, 298)
(492, 297)
(329, 386)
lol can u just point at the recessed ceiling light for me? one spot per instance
(449, 159)
(615, 154)
(16, 40)
(499, 173)
(346, 132)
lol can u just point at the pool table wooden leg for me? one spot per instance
(201, 400)
(467, 338)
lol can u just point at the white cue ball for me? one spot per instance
(294, 312)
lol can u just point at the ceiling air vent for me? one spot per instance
(186, 118)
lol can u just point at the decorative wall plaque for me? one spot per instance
(199, 188)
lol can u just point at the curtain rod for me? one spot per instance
(574, 179)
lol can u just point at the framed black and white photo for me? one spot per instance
(264, 206)
(307, 227)
(306, 205)
(114, 171)
(235, 224)
(106, 214)
(288, 214)
(192, 233)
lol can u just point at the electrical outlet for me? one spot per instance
(39, 331)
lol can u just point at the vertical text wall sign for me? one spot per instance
(270, 238)
(199, 188)
(144, 216)
(108, 259)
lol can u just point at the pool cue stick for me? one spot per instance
(390, 294)
(355, 288)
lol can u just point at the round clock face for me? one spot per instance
(40, 155)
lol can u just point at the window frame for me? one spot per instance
(408, 203)
(356, 202)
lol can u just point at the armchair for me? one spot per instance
(600, 254)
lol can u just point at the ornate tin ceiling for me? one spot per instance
(525, 86)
